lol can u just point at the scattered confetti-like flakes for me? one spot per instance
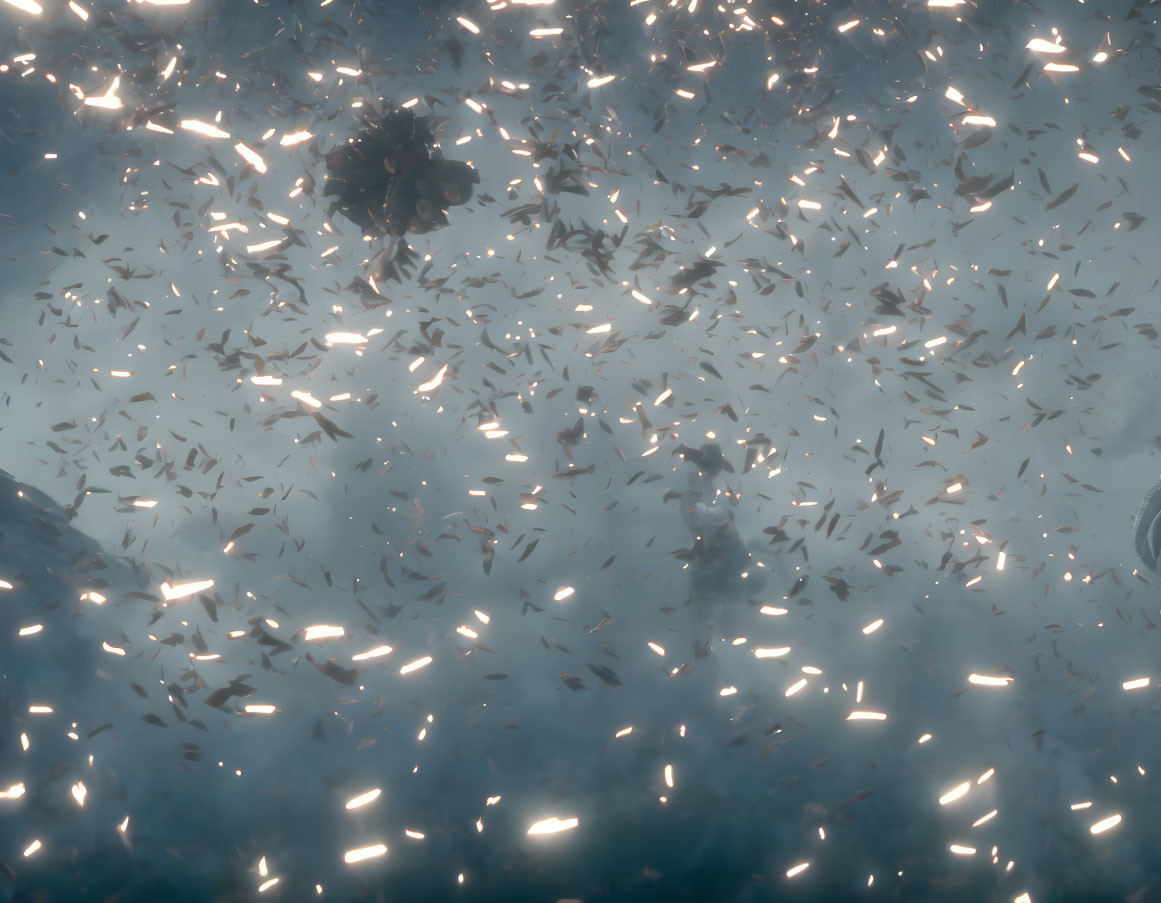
(730, 372)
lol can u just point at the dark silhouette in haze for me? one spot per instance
(391, 178)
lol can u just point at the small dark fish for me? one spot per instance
(337, 672)
(606, 674)
(1062, 197)
(690, 276)
(237, 687)
(573, 682)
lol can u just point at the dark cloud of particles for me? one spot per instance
(391, 179)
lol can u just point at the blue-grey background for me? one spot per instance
(377, 531)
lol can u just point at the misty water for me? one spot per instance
(733, 500)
